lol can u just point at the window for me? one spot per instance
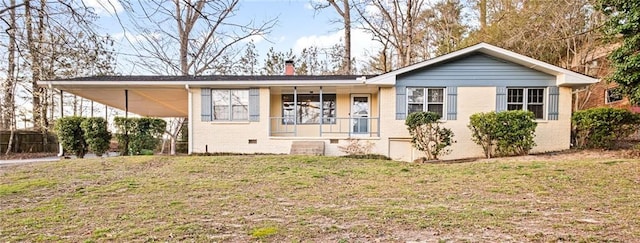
(425, 99)
(230, 104)
(528, 99)
(309, 109)
(613, 95)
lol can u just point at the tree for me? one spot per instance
(8, 106)
(624, 16)
(447, 25)
(274, 62)
(395, 23)
(203, 32)
(345, 13)
(248, 63)
(555, 33)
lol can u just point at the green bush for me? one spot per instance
(136, 135)
(503, 133)
(602, 127)
(96, 135)
(484, 131)
(427, 134)
(71, 135)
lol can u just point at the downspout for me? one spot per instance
(189, 119)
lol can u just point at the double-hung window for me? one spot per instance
(528, 99)
(309, 109)
(425, 99)
(230, 104)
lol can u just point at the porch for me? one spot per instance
(324, 112)
(335, 127)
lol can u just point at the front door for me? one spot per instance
(360, 112)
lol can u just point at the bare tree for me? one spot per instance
(394, 22)
(202, 34)
(344, 10)
(10, 84)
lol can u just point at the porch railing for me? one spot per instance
(328, 127)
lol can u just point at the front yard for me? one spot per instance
(297, 198)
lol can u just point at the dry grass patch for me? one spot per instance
(298, 198)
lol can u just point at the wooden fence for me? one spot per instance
(25, 141)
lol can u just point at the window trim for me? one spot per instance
(230, 119)
(323, 120)
(525, 98)
(425, 104)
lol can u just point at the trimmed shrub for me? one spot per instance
(503, 133)
(516, 133)
(138, 135)
(96, 135)
(484, 131)
(71, 136)
(427, 134)
(603, 127)
(123, 126)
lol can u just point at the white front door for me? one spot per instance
(360, 113)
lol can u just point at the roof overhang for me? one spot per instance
(564, 77)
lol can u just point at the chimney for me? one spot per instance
(288, 67)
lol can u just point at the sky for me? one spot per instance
(298, 26)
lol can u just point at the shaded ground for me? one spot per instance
(587, 196)
(15, 156)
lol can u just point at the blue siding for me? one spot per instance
(478, 70)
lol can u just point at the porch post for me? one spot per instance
(321, 111)
(126, 103)
(295, 111)
(60, 148)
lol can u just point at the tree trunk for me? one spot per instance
(483, 14)
(9, 100)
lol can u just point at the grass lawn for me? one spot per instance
(298, 198)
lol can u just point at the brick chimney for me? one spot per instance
(288, 67)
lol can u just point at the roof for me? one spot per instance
(564, 76)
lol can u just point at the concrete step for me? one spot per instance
(307, 148)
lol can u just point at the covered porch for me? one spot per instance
(324, 112)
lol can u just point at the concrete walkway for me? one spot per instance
(50, 159)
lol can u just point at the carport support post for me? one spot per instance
(126, 103)
(126, 122)
(60, 148)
